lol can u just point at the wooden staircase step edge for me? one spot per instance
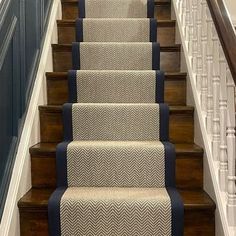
(160, 23)
(173, 109)
(48, 150)
(37, 200)
(163, 2)
(68, 47)
(168, 76)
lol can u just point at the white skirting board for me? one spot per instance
(21, 176)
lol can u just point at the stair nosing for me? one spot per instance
(167, 3)
(168, 76)
(169, 48)
(27, 206)
(173, 109)
(34, 151)
(70, 22)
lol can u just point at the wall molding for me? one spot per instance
(21, 176)
(7, 40)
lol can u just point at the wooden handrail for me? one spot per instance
(226, 32)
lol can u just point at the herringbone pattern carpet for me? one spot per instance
(115, 168)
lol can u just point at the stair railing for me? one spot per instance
(210, 42)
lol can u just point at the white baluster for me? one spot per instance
(190, 30)
(223, 168)
(231, 203)
(204, 61)
(187, 21)
(194, 47)
(199, 46)
(209, 73)
(184, 15)
(216, 87)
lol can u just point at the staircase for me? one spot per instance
(198, 207)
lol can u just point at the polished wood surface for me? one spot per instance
(165, 32)
(170, 57)
(181, 124)
(198, 215)
(175, 88)
(226, 32)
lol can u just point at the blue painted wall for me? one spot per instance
(22, 27)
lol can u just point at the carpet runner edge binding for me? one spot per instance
(116, 167)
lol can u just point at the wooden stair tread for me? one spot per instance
(68, 47)
(173, 109)
(37, 199)
(47, 149)
(63, 75)
(160, 2)
(160, 23)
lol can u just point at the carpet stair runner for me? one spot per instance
(116, 86)
(115, 56)
(115, 166)
(116, 30)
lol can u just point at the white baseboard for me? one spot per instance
(21, 176)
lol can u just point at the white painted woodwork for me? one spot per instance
(213, 85)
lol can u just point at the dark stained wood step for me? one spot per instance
(57, 88)
(198, 216)
(181, 124)
(70, 9)
(62, 59)
(189, 165)
(165, 31)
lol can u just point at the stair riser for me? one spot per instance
(70, 11)
(196, 223)
(62, 59)
(175, 91)
(181, 127)
(189, 172)
(165, 33)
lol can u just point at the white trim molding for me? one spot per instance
(21, 176)
(213, 95)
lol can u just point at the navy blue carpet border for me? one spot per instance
(54, 212)
(160, 86)
(155, 56)
(170, 157)
(150, 8)
(177, 212)
(79, 30)
(72, 85)
(153, 30)
(67, 121)
(81, 6)
(164, 122)
(76, 56)
(61, 164)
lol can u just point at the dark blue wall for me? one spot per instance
(22, 27)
